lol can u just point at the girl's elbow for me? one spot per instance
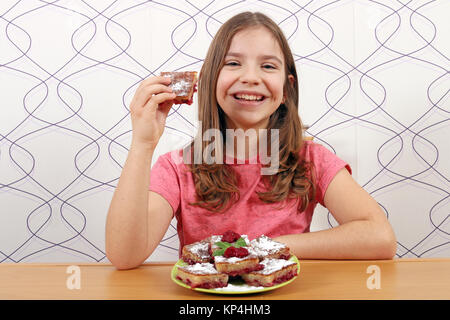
(393, 248)
(388, 246)
(121, 262)
(121, 267)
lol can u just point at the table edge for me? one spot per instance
(171, 263)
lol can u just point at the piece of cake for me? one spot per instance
(197, 252)
(235, 266)
(202, 275)
(231, 255)
(183, 84)
(275, 271)
(266, 248)
(217, 259)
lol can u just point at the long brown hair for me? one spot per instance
(216, 184)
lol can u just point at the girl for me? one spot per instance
(248, 81)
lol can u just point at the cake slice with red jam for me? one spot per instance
(183, 84)
(267, 248)
(231, 255)
(202, 275)
(197, 252)
(235, 266)
(274, 271)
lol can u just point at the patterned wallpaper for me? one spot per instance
(374, 89)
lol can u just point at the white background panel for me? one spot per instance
(374, 87)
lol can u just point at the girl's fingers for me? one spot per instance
(146, 93)
(159, 98)
(148, 88)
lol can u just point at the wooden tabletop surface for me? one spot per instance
(324, 279)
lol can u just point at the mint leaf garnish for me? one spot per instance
(240, 243)
(223, 245)
(219, 252)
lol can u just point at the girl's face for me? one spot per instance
(250, 84)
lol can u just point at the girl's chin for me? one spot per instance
(247, 123)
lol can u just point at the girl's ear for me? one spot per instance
(291, 81)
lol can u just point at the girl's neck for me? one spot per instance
(244, 139)
(243, 145)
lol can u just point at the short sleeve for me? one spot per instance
(164, 180)
(326, 165)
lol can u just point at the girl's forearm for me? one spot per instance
(359, 239)
(126, 224)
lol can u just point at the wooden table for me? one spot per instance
(399, 279)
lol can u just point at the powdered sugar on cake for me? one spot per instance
(232, 259)
(183, 84)
(238, 288)
(201, 268)
(217, 238)
(201, 249)
(181, 87)
(272, 265)
(263, 246)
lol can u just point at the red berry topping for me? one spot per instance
(241, 252)
(230, 236)
(235, 252)
(230, 252)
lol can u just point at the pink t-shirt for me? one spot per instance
(250, 216)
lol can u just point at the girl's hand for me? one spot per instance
(149, 108)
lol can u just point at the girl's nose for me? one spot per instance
(250, 76)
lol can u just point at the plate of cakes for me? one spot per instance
(233, 264)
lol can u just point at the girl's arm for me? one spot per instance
(137, 218)
(363, 232)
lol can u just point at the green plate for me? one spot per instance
(237, 286)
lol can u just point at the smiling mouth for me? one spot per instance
(246, 97)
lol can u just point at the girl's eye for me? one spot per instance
(232, 63)
(268, 66)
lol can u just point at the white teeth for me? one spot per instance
(249, 97)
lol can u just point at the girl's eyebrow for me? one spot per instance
(263, 57)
